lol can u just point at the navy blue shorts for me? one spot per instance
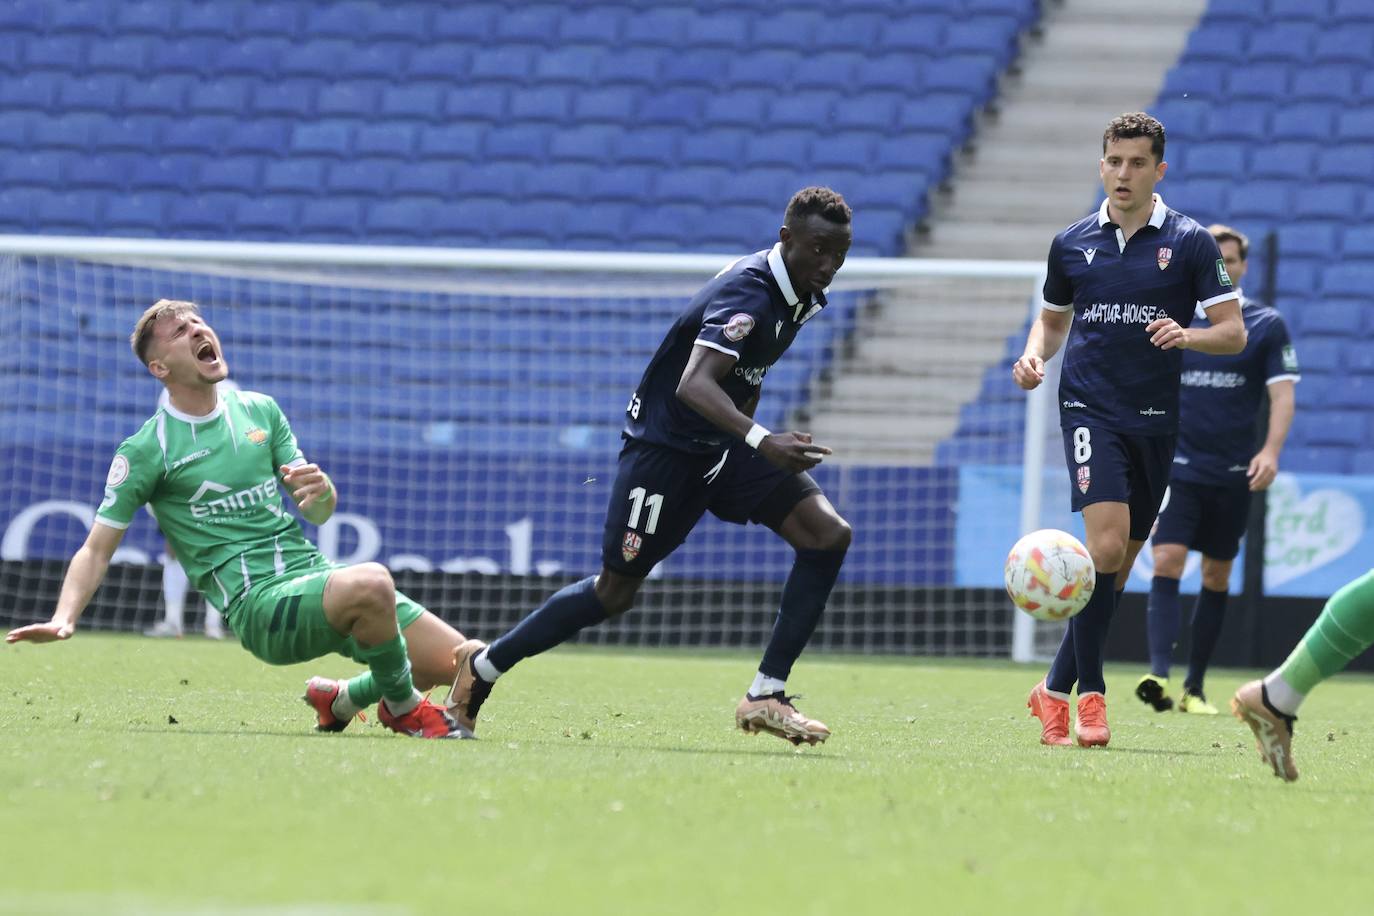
(660, 494)
(1106, 466)
(1204, 517)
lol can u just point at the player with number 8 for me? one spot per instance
(1129, 278)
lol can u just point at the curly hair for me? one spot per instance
(1136, 124)
(821, 201)
(142, 336)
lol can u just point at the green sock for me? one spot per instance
(390, 670)
(1344, 630)
(363, 690)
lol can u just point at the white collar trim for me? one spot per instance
(1157, 215)
(189, 418)
(779, 269)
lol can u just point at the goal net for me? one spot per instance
(469, 405)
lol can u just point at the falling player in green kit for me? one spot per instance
(212, 466)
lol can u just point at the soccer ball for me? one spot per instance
(1050, 575)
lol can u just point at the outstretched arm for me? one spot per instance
(84, 575)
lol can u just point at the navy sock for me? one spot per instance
(568, 610)
(1208, 614)
(1090, 634)
(1162, 623)
(1064, 668)
(803, 599)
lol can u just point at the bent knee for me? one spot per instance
(372, 589)
(837, 536)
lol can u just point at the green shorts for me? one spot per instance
(281, 620)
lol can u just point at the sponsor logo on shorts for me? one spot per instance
(119, 471)
(630, 545)
(256, 436)
(1085, 478)
(1075, 405)
(1163, 256)
(739, 326)
(1151, 412)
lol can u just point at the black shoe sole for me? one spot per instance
(1151, 694)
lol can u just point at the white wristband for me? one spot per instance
(756, 435)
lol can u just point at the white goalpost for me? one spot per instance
(470, 403)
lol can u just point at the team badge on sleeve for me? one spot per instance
(1222, 276)
(1163, 257)
(629, 546)
(119, 471)
(1290, 358)
(1085, 478)
(739, 326)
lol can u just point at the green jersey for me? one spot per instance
(212, 482)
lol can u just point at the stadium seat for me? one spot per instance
(1347, 44)
(227, 96)
(570, 64)
(167, 173)
(359, 176)
(296, 175)
(779, 148)
(1329, 200)
(809, 110)
(613, 106)
(1284, 160)
(135, 214)
(493, 179)
(635, 66)
(1213, 160)
(894, 72)
(230, 173)
(1358, 242)
(713, 147)
(1308, 240)
(950, 113)
(322, 138)
(921, 33)
(789, 29)
(764, 70)
(503, 63)
(1336, 319)
(1289, 42)
(672, 107)
(413, 102)
(1258, 81)
(318, 58)
(1357, 123)
(585, 144)
(107, 173)
(1304, 121)
(627, 185)
(1322, 355)
(827, 70)
(204, 215)
(1354, 279)
(1325, 82)
(968, 72)
(341, 217)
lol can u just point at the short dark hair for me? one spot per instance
(823, 202)
(142, 337)
(1224, 233)
(1136, 124)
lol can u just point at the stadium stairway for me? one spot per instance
(906, 386)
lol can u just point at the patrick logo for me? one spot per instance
(629, 546)
(1163, 257)
(1085, 478)
(256, 436)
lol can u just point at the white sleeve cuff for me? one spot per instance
(1217, 300)
(1283, 378)
(111, 523)
(715, 346)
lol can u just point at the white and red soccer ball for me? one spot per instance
(1050, 575)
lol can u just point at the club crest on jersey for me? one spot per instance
(629, 546)
(739, 326)
(256, 436)
(119, 471)
(1085, 478)
(1163, 257)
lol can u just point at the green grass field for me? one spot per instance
(613, 782)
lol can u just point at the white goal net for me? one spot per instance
(469, 406)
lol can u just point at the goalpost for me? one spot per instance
(469, 403)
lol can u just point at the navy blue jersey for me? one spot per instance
(1113, 377)
(748, 311)
(1221, 400)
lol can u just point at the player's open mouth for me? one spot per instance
(206, 353)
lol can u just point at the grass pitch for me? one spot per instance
(141, 776)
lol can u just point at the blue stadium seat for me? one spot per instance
(31, 92)
(206, 135)
(408, 22)
(230, 173)
(1358, 242)
(925, 152)
(1258, 81)
(1336, 82)
(572, 64)
(206, 19)
(445, 61)
(433, 178)
(1193, 79)
(504, 63)
(469, 22)
(695, 185)
(585, 144)
(764, 70)
(1304, 121)
(132, 133)
(1356, 123)
(269, 18)
(815, 110)
(106, 172)
(1240, 121)
(265, 136)
(557, 180)
(1319, 460)
(335, 216)
(995, 35)
(401, 218)
(635, 66)
(136, 215)
(67, 132)
(718, 31)
(17, 208)
(1212, 160)
(339, 20)
(403, 140)
(1216, 41)
(975, 73)
(476, 104)
(615, 105)
(294, 176)
(518, 142)
(1354, 279)
(534, 223)
(1262, 200)
(204, 215)
(665, 26)
(1323, 355)
(921, 33)
(1288, 41)
(1330, 318)
(1307, 240)
(714, 147)
(696, 68)
(1203, 199)
(789, 29)
(532, 23)
(322, 138)
(359, 176)
(34, 170)
(628, 184)
(765, 187)
(452, 142)
(591, 25)
(493, 179)
(1329, 200)
(160, 95)
(166, 173)
(1346, 162)
(1335, 427)
(1352, 11)
(119, 54)
(288, 98)
(827, 70)
(651, 146)
(413, 101)
(255, 57)
(219, 96)
(1312, 10)
(948, 113)
(1347, 44)
(671, 107)
(319, 58)
(1284, 160)
(780, 148)
(848, 150)
(145, 17)
(357, 98)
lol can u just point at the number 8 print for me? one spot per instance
(1082, 444)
